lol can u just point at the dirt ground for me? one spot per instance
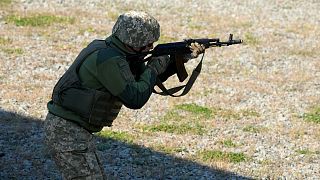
(257, 93)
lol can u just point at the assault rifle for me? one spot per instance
(178, 50)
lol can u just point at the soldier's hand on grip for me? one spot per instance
(196, 49)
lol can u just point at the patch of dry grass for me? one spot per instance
(5, 2)
(28, 92)
(41, 20)
(13, 51)
(5, 41)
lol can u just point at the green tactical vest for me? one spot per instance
(99, 108)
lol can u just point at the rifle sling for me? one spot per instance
(171, 92)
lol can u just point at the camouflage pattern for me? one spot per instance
(72, 148)
(136, 29)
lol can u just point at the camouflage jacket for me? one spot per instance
(132, 83)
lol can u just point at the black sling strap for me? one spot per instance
(187, 87)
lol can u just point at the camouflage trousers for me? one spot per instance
(73, 149)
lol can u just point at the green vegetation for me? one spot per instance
(172, 116)
(38, 20)
(307, 152)
(5, 41)
(182, 119)
(107, 136)
(169, 150)
(231, 114)
(17, 51)
(193, 118)
(313, 115)
(119, 136)
(5, 2)
(249, 113)
(213, 155)
(228, 143)
(304, 151)
(182, 128)
(252, 129)
(196, 109)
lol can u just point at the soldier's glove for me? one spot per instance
(195, 49)
(159, 64)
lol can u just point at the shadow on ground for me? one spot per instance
(22, 156)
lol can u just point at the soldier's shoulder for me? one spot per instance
(109, 55)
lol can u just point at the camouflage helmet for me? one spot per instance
(136, 29)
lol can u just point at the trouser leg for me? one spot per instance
(73, 149)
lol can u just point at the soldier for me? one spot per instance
(90, 94)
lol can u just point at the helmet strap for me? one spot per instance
(139, 51)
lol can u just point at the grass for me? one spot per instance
(249, 113)
(193, 119)
(108, 136)
(5, 41)
(313, 115)
(182, 119)
(183, 128)
(119, 136)
(196, 109)
(252, 129)
(214, 155)
(5, 2)
(14, 51)
(229, 114)
(168, 150)
(40, 20)
(228, 143)
(250, 39)
(307, 152)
